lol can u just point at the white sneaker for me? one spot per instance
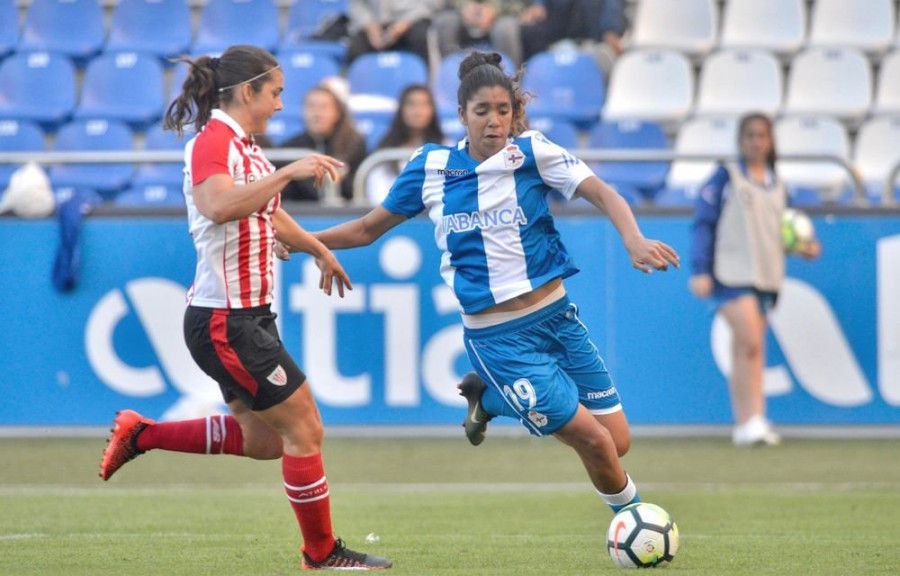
(757, 431)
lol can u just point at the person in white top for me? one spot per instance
(232, 194)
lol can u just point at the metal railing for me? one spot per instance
(623, 155)
(396, 154)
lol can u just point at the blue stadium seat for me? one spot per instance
(386, 73)
(162, 173)
(373, 127)
(557, 131)
(93, 135)
(446, 82)
(18, 136)
(646, 177)
(567, 85)
(37, 86)
(9, 27)
(72, 27)
(305, 18)
(302, 71)
(282, 128)
(308, 17)
(453, 129)
(159, 27)
(150, 196)
(227, 22)
(125, 86)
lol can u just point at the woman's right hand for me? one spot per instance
(701, 285)
(316, 166)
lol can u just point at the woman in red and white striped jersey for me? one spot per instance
(232, 194)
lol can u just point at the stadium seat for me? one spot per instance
(739, 81)
(70, 27)
(866, 25)
(93, 135)
(164, 173)
(813, 135)
(125, 86)
(887, 95)
(566, 84)
(386, 73)
(37, 86)
(377, 79)
(150, 196)
(703, 135)
(373, 127)
(560, 132)
(282, 128)
(224, 23)
(159, 27)
(877, 152)
(830, 82)
(305, 19)
(689, 26)
(645, 177)
(446, 81)
(775, 25)
(18, 136)
(302, 71)
(453, 129)
(653, 85)
(9, 27)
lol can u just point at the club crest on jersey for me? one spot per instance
(278, 376)
(513, 156)
(538, 419)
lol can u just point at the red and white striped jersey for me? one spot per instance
(234, 259)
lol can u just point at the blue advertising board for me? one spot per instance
(391, 351)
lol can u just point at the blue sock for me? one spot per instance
(629, 495)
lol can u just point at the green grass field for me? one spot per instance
(513, 506)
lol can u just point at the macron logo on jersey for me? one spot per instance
(484, 220)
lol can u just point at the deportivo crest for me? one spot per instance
(278, 376)
(513, 156)
(538, 419)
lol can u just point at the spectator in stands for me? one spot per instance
(546, 22)
(470, 22)
(379, 25)
(328, 129)
(416, 123)
(738, 260)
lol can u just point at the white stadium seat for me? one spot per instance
(706, 135)
(689, 26)
(654, 85)
(830, 82)
(812, 135)
(740, 81)
(877, 151)
(775, 25)
(867, 25)
(887, 95)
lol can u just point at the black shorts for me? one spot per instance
(241, 350)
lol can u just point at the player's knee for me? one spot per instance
(623, 444)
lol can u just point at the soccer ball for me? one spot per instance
(642, 536)
(796, 229)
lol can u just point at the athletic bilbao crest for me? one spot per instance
(278, 376)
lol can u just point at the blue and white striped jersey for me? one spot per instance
(491, 218)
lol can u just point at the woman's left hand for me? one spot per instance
(332, 272)
(282, 251)
(648, 254)
(809, 250)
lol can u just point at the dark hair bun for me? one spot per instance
(476, 59)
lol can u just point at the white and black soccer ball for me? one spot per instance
(642, 536)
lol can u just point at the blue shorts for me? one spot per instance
(538, 368)
(722, 294)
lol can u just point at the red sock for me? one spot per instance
(307, 489)
(211, 435)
